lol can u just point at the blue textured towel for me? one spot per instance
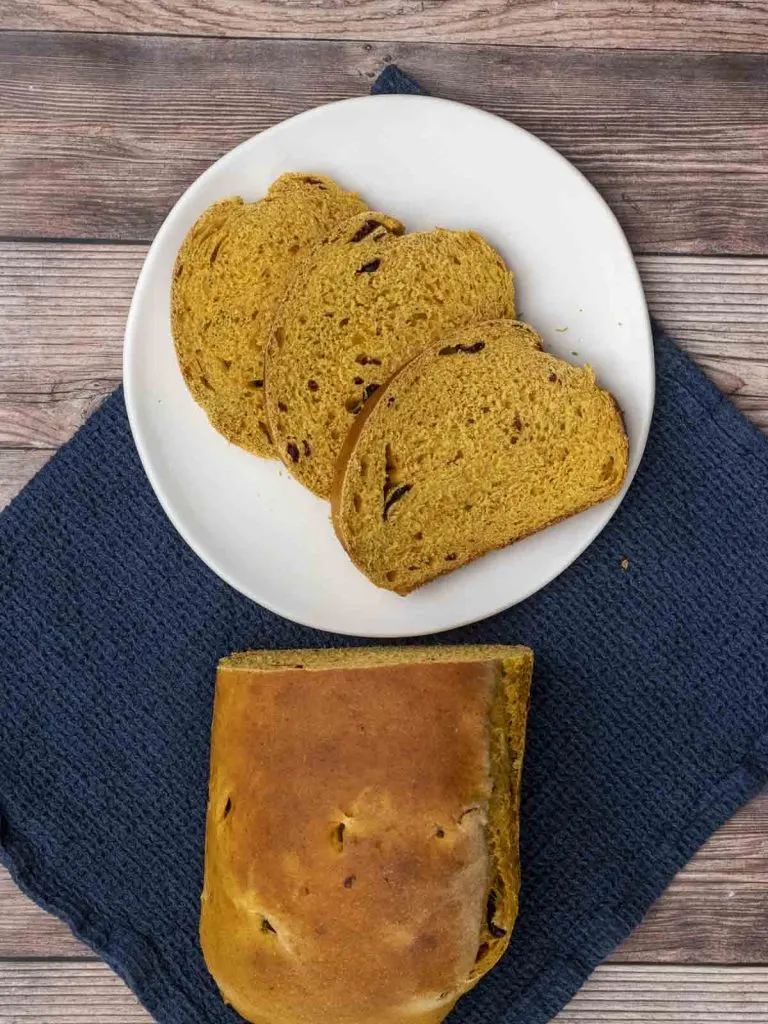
(648, 728)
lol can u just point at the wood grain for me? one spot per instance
(63, 309)
(100, 134)
(718, 311)
(17, 467)
(715, 911)
(670, 995)
(62, 316)
(66, 993)
(26, 930)
(85, 993)
(663, 25)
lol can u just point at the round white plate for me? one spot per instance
(429, 162)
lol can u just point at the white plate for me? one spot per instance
(429, 162)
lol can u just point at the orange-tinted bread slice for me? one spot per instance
(480, 440)
(229, 277)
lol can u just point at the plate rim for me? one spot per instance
(143, 283)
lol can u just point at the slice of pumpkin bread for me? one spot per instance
(230, 274)
(361, 304)
(478, 441)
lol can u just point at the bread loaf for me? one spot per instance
(230, 273)
(358, 307)
(361, 862)
(480, 440)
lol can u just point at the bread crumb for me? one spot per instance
(624, 563)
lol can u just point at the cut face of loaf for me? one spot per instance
(361, 861)
(230, 274)
(359, 306)
(478, 441)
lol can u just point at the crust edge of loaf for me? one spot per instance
(366, 656)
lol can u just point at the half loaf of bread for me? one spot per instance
(361, 859)
(230, 274)
(480, 440)
(359, 306)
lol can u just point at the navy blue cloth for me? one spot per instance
(648, 727)
(392, 79)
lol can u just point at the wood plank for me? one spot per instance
(66, 993)
(25, 929)
(63, 309)
(663, 25)
(17, 467)
(714, 911)
(101, 133)
(718, 312)
(670, 995)
(83, 993)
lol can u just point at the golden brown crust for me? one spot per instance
(347, 848)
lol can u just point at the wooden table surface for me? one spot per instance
(110, 108)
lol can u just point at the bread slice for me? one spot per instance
(359, 306)
(479, 441)
(230, 274)
(361, 858)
